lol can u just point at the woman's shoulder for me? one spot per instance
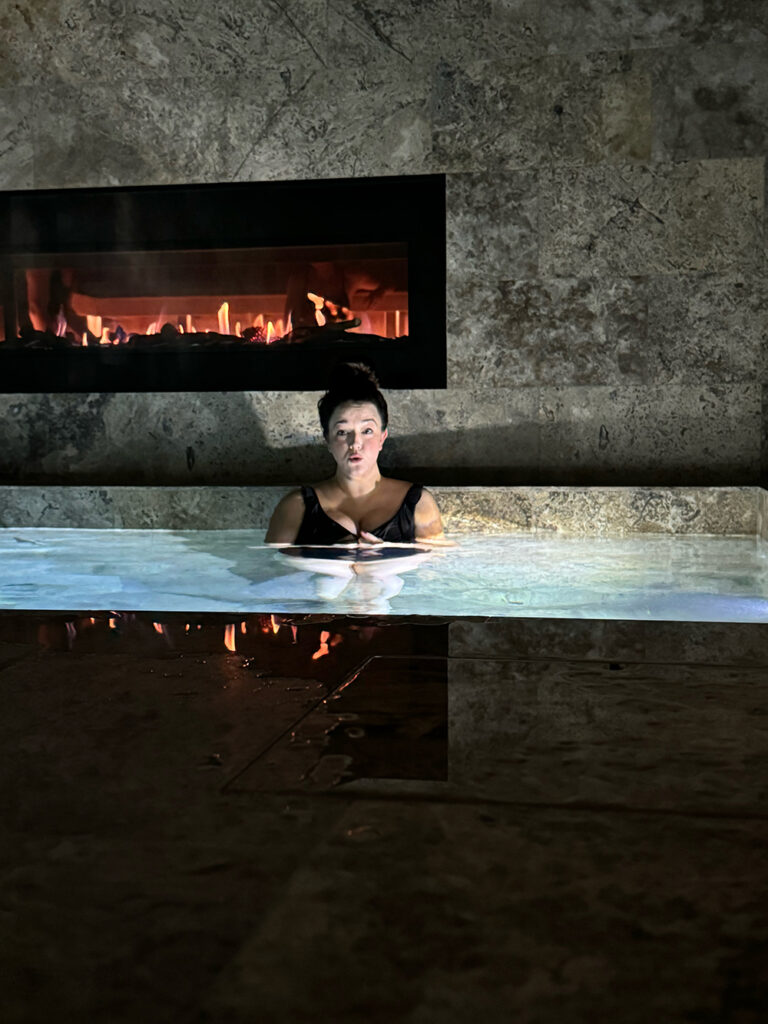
(403, 486)
(292, 499)
(286, 518)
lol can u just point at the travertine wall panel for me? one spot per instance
(565, 330)
(617, 25)
(492, 227)
(606, 258)
(703, 433)
(661, 218)
(706, 329)
(16, 147)
(584, 511)
(711, 101)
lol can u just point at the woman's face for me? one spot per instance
(355, 437)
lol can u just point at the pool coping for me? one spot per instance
(580, 511)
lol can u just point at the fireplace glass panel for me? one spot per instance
(208, 298)
(231, 287)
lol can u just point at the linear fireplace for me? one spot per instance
(248, 286)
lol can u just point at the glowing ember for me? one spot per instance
(318, 302)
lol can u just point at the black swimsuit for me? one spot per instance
(317, 527)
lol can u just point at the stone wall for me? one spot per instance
(605, 161)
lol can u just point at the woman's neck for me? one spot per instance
(359, 487)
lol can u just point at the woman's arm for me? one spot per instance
(286, 519)
(429, 525)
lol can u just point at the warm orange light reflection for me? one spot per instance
(323, 649)
(158, 628)
(229, 637)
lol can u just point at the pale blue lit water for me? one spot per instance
(720, 579)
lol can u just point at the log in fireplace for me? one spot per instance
(248, 286)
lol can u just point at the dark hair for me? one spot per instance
(351, 382)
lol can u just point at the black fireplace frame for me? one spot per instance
(342, 211)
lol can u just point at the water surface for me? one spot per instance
(719, 579)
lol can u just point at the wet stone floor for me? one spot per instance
(309, 818)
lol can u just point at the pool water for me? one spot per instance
(682, 578)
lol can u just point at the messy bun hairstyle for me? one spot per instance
(351, 382)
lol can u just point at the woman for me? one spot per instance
(356, 504)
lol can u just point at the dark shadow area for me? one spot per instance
(474, 457)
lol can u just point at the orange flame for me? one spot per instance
(229, 637)
(223, 317)
(243, 628)
(275, 624)
(158, 628)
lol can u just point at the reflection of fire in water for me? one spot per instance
(323, 649)
(229, 637)
(130, 626)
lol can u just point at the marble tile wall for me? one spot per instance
(607, 274)
(591, 511)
